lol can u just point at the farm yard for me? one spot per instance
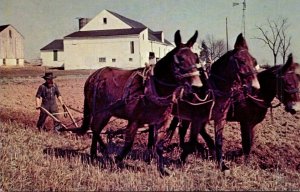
(32, 160)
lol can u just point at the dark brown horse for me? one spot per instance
(141, 96)
(230, 75)
(281, 81)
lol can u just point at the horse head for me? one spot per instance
(288, 92)
(245, 62)
(236, 65)
(181, 61)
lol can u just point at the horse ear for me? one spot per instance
(192, 40)
(240, 42)
(288, 63)
(177, 38)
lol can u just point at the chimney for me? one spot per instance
(83, 22)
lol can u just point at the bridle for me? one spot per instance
(279, 90)
(181, 72)
(240, 74)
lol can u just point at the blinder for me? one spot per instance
(283, 79)
(181, 72)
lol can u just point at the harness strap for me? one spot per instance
(191, 74)
(151, 94)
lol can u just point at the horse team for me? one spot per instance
(175, 87)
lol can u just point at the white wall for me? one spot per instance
(97, 22)
(47, 58)
(12, 62)
(85, 53)
(159, 49)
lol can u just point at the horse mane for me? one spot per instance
(164, 64)
(271, 71)
(219, 64)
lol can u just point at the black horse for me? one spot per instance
(281, 81)
(229, 77)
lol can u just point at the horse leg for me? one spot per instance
(131, 131)
(163, 138)
(152, 138)
(219, 115)
(182, 131)
(219, 126)
(247, 139)
(98, 123)
(208, 140)
(173, 126)
(190, 147)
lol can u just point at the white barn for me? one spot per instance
(11, 46)
(108, 39)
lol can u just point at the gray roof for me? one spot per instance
(136, 28)
(57, 44)
(130, 22)
(101, 33)
(2, 27)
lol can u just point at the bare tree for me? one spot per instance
(217, 48)
(286, 41)
(274, 35)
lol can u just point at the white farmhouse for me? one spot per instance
(11, 46)
(53, 54)
(108, 39)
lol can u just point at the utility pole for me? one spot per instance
(226, 35)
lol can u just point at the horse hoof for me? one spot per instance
(223, 167)
(79, 131)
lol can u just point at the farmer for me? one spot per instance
(46, 98)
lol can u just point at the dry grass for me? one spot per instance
(42, 161)
(27, 164)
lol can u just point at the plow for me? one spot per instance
(73, 127)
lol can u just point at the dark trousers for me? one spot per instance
(43, 116)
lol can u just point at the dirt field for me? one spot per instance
(276, 144)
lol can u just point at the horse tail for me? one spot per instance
(86, 118)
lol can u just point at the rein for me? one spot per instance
(152, 95)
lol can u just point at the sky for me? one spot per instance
(42, 21)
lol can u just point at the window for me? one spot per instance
(130, 59)
(55, 55)
(131, 47)
(113, 60)
(104, 20)
(102, 59)
(4, 62)
(151, 55)
(10, 34)
(18, 62)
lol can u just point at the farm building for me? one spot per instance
(11, 46)
(108, 39)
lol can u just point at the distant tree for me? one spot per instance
(286, 42)
(274, 35)
(217, 48)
